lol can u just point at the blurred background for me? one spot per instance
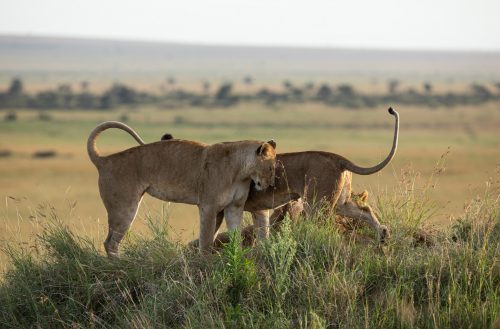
(313, 75)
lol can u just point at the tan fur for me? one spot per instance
(214, 177)
(323, 182)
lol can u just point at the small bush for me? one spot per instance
(44, 154)
(5, 153)
(43, 116)
(124, 118)
(10, 116)
(179, 120)
(238, 271)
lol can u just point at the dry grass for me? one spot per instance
(306, 275)
(68, 181)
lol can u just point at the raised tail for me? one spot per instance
(91, 142)
(368, 171)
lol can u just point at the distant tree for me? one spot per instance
(84, 86)
(171, 80)
(346, 89)
(107, 101)
(324, 92)
(124, 94)
(267, 96)
(297, 92)
(309, 85)
(497, 85)
(14, 97)
(118, 94)
(248, 80)
(64, 88)
(263, 93)
(206, 86)
(412, 91)
(427, 88)
(49, 99)
(224, 91)
(16, 87)
(85, 99)
(287, 84)
(65, 95)
(480, 90)
(393, 86)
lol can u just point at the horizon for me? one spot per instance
(235, 45)
(447, 25)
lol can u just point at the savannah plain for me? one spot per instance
(450, 155)
(439, 196)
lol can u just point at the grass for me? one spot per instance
(307, 275)
(68, 182)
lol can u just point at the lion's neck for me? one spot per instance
(247, 163)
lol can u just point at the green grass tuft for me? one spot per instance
(307, 275)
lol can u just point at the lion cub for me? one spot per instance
(213, 177)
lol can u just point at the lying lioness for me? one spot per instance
(323, 181)
(214, 177)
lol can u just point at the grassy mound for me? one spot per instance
(308, 275)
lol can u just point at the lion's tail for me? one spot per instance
(368, 171)
(91, 142)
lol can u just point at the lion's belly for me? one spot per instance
(179, 194)
(269, 199)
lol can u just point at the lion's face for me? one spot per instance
(263, 175)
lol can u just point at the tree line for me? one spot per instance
(341, 95)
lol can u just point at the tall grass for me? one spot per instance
(308, 275)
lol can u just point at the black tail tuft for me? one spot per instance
(391, 111)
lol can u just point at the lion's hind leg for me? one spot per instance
(122, 210)
(208, 229)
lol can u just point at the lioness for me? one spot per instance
(214, 177)
(322, 180)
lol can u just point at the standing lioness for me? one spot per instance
(214, 177)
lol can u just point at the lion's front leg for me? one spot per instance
(233, 214)
(261, 223)
(234, 206)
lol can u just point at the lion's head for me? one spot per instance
(263, 172)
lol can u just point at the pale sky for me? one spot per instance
(400, 24)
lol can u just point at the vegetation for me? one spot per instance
(314, 273)
(307, 275)
(343, 95)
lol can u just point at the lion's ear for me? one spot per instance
(363, 196)
(167, 137)
(272, 143)
(265, 149)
